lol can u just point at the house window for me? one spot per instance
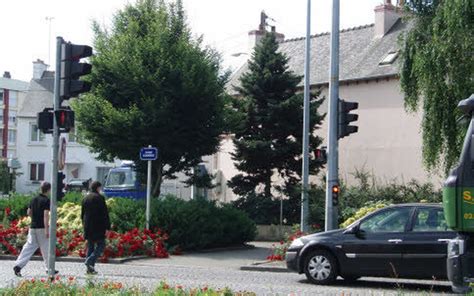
(13, 99)
(1, 97)
(12, 117)
(11, 137)
(36, 171)
(389, 58)
(35, 134)
(1, 117)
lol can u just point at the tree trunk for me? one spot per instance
(268, 186)
(159, 178)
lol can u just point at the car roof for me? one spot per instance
(418, 204)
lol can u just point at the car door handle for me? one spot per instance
(395, 241)
(444, 240)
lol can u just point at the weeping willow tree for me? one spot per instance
(437, 72)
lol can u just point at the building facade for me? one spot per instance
(389, 143)
(35, 148)
(12, 94)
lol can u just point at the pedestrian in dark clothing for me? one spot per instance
(38, 234)
(95, 219)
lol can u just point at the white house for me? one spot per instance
(35, 148)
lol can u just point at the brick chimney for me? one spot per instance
(7, 74)
(38, 69)
(256, 35)
(386, 15)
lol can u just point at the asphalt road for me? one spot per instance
(219, 270)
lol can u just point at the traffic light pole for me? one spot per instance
(333, 150)
(305, 169)
(54, 178)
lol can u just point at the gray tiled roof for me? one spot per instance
(13, 84)
(360, 55)
(39, 96)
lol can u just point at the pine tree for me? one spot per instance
(269, 140)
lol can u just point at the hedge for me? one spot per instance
(265, 210)
(191, 225)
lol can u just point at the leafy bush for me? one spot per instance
(126, 214)
(363, 212)
(265, 210)
(72, 197)
(18, 205)
(368, 192)
(199, 224)
(364, 193)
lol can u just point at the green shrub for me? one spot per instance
(199, 224)
(265, 211)
(74, 197)
(126, 214)
(18, 205)
(366, 191)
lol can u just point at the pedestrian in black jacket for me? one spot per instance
(38, 233)
(95, 219)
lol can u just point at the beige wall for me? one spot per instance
(388, 143)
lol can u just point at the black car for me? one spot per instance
(407, 241)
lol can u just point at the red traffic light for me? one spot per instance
(65, 119)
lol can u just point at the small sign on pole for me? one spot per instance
(148, 154)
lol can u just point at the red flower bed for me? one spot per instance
(71, 242)
(278, 251)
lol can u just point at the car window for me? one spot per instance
(391, 220)
(429, 219)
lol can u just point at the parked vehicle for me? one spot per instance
(78, 185)
(406, 241)
(122, 182)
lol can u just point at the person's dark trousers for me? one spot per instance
(94, 251)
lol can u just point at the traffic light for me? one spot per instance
(335, 194)
(345, 118)
(61, 186)
(45, 121)
(72, 70)
(65, 119)
(320, 154)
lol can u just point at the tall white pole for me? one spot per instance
(333, 149)
(305, 169)
(148, 193)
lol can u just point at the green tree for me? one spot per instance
(437, 72)
(269, 139)
(153, 84)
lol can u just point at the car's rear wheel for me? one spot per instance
(321, 267)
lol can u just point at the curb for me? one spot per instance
(77, 259)
(231, 248)
(264, 267)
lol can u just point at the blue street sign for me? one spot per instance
(149, 153)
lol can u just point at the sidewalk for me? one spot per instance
(252, 258)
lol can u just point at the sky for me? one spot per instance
(29, 27)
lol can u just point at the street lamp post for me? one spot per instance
(306, 131)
